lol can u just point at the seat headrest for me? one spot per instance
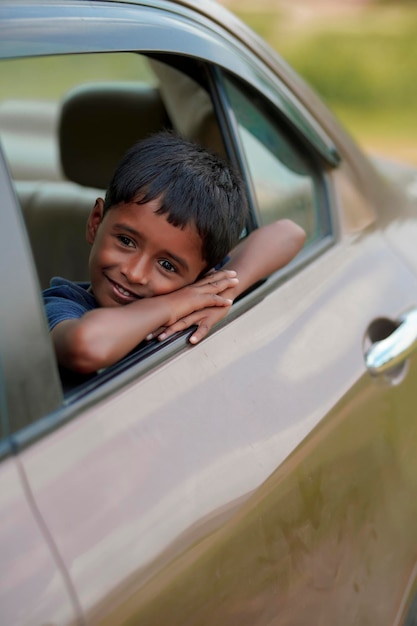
(100, 121)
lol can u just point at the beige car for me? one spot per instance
(267, 476)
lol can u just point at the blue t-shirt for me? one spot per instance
(65, 300)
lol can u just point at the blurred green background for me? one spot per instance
(359, 55)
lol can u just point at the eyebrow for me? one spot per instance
(174, 257)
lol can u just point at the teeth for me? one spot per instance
(123, 291)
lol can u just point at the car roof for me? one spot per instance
(210, 10)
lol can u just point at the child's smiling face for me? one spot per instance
(137, 253)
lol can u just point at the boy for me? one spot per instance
(172, 212)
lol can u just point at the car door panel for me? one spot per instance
(141, 481)
(33, 588)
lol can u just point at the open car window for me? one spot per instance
(64, 126)
(64, 133)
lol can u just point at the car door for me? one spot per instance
(34, 584)
(262, 476)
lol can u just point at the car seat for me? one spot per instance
(98, 122)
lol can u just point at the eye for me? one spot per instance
(125, 241)
(168, 267)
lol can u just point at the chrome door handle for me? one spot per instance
(397, 347)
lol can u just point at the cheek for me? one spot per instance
(102, 253)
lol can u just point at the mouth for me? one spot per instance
(121, 294)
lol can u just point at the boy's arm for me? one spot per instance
(104, 335)
(263, 252)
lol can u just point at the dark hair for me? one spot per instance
(195, 186)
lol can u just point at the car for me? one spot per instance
(267, 475)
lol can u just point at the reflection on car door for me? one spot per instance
(33, 584)
(169, 492)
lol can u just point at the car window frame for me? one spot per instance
(6, 448)
(327, 208)
(188, 39)
(29, 371)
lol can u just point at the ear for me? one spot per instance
(94, 220)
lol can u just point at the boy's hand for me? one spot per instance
(224, 282)
(204, 319)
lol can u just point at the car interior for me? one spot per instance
(96, 123)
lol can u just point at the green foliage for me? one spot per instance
(19, 78)
(363, 64)
(396, 3)
(361, 70)
(262, 22)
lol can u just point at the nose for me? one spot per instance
(137, 270)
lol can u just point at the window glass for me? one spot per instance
(3, 412)
(49, 78)
(286, 179)
(32, 91)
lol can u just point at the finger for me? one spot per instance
(182, 324)
(201, 332)
(216, 275)
(155, 333)
(217, 300)
(220, 284)
(206, 323)
(225, 272)
(206, 300)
